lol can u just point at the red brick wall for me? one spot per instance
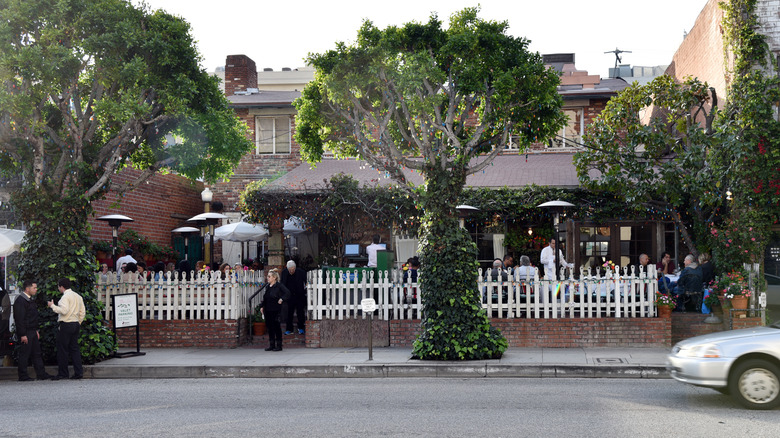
(157, 206)
(240, 74)
(184, 334)
(701, 52)
(750, 322)
(562, 333)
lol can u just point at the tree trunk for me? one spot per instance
(57, 245)
(454, 325)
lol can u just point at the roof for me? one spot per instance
(509, 170)
(263, 98)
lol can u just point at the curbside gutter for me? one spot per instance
(446, 370)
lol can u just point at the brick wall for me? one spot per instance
(701, 52)
(157, 206)
(240, 74)
(184, 334)
(562, 333)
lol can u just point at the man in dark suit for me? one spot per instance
(26, 319)
(294, 279)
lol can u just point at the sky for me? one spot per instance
(281, 33)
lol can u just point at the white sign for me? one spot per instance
(762, 299)
(125, 310)
(368, 304)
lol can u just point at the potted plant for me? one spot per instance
(258, 322)
(665, 304)
(733, 286)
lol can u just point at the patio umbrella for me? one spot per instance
(241, 232)
(10, 240)
(293, 226)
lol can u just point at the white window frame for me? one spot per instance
(562, 133)
(275, 130)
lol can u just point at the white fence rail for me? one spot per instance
(336, 294)
(203, 296)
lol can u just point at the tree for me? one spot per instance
(87, 89)
(716, 173)
(659, 164)
(443, 102)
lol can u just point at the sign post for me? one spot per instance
(125, 309)
(369, 306)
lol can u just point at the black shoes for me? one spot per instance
(26, 379)
(271, 348)
(76, 377)
(46, 377)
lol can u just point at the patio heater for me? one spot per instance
(114, 221)
(211, 219)
(186, 232)
(463, 212)
(557, 208)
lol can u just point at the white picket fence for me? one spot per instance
(204, 296)
(336, 294)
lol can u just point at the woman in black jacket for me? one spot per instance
(275, 294)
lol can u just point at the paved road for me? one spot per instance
(374, 407)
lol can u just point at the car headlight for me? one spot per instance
(702, 350)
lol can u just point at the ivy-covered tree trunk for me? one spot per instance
(454, 325)
(61, 248)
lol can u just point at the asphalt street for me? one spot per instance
(407, 407)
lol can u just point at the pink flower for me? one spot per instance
(750, 229)
(753, 239)
(729, 240)
(727, 245)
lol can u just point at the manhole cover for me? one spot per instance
(610, 360)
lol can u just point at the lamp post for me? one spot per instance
(556, 207)
(211, 219)
(186, 232)
(114, 221)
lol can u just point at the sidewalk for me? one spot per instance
(252, 361)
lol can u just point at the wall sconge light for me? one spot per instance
(530, 231)
(728, 195)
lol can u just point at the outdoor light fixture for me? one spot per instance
(186, 232)
(206, 195)
(463, 212)
(114, 221)
(530, 231)
(210, 219)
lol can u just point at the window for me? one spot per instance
(272, 135)
(594, 246)
(635, 240)
(571, 134)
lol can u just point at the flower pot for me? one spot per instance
(739, 303)
(664, 312)
(258, 328)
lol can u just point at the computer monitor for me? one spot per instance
(352, 249)
(382, 246)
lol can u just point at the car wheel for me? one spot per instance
(755, 384)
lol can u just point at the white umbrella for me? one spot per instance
(241, 232)
(294, 226)
(10, 241)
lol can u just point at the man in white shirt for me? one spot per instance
(548, 260)
(371, 251)
(125, 259)
(71, 313)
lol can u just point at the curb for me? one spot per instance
(366, 371)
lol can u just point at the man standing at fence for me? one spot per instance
(71, 313)
(26, 319)
(548, 260)
(295, 280)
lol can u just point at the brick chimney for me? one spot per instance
(240, 74)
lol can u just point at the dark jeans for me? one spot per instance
(297, 304)
(31, 349)
(274, 327)
(68, 349)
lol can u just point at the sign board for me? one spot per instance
(125, 309)
(368, 304)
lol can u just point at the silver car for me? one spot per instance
(744, 363)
